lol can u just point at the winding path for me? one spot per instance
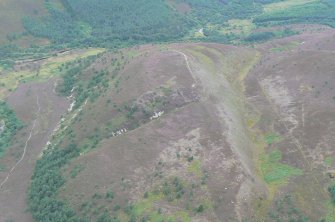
(186, 60)
(25, 147)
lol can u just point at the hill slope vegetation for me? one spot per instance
(118, 111)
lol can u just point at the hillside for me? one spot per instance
(36, 29)
(11, 14)
(190, 132)
(167, 111)
(111, 23)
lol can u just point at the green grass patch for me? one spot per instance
(198, 51)
(275, 172)
(283, 5)
(146, 208)
(329, 161)
(182, 216)
(146, 205)
(330, 217)
(206, 204)
(75, 170)
(171, 190)
(88, 144)
(272, 138)
(117, 122)
(195, 168)
(286, 47)
(321, 12)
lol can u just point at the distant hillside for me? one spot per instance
(95, 22)
(111, 23)
(11, 13)
(117, 24)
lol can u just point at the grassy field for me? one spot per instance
(286, 47)
(242, 27)
(283, 5)
(48, 68)
(292, 12)
(274, 171)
